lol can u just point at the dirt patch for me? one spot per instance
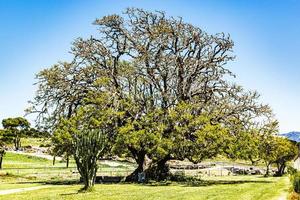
(11, 191)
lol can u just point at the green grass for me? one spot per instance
(24, 167)
(236, 188)
(62, 184)
(13, 160)
(36, 142)
(7, 186)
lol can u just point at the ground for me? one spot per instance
(60, 183)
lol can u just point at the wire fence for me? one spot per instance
(60, 172)
(215, 169)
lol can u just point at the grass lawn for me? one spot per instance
(7, 186)
(57, 181)
(36, 142)
(244, 188)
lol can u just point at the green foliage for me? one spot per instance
(276, 150)
(200, 137)
(295, 179)
(14, 129)
(84, 136)
(35, 133)
(291, 170)
(62, 143)
(17, 123)
(285, 151)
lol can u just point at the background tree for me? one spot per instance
(35, 133)
(14, 130)
(61, 145)
(285, 151)
(244, 142)
(267, 145)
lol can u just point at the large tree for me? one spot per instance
(167, 81)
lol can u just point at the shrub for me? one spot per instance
(45, 145)
(291, 170)
(295, 178)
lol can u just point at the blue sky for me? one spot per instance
(34, 34)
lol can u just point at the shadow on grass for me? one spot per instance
(186, 183)
(189, 183)
(69, 194)
(51, 182)
(80, 191)
(222, 182)
(204, 183)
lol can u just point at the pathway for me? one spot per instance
(11, 191)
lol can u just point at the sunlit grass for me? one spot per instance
(236, 188)
(63, 184)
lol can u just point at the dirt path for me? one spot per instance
(11, 191)
(283, 197)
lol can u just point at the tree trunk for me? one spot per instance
(140, 160)
(88, 172)
(159, 171)
(89, 182)
(253, 161)
(53, 162)
(67, 165)
(280, 169)
(2, 153)
(268, 170)
(17, 143)
(1, 158)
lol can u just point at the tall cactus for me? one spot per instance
(88, 147)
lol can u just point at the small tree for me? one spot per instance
(14, 129)
(267, 150)
(62, 145)
(267, 146)
(285, 151)
(277, 150)
(88, 147)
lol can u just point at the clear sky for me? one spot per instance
(34, 34)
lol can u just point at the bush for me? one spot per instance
(295, 178)
(45, 145)
(291, 170)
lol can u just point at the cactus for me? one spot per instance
(88, 147)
